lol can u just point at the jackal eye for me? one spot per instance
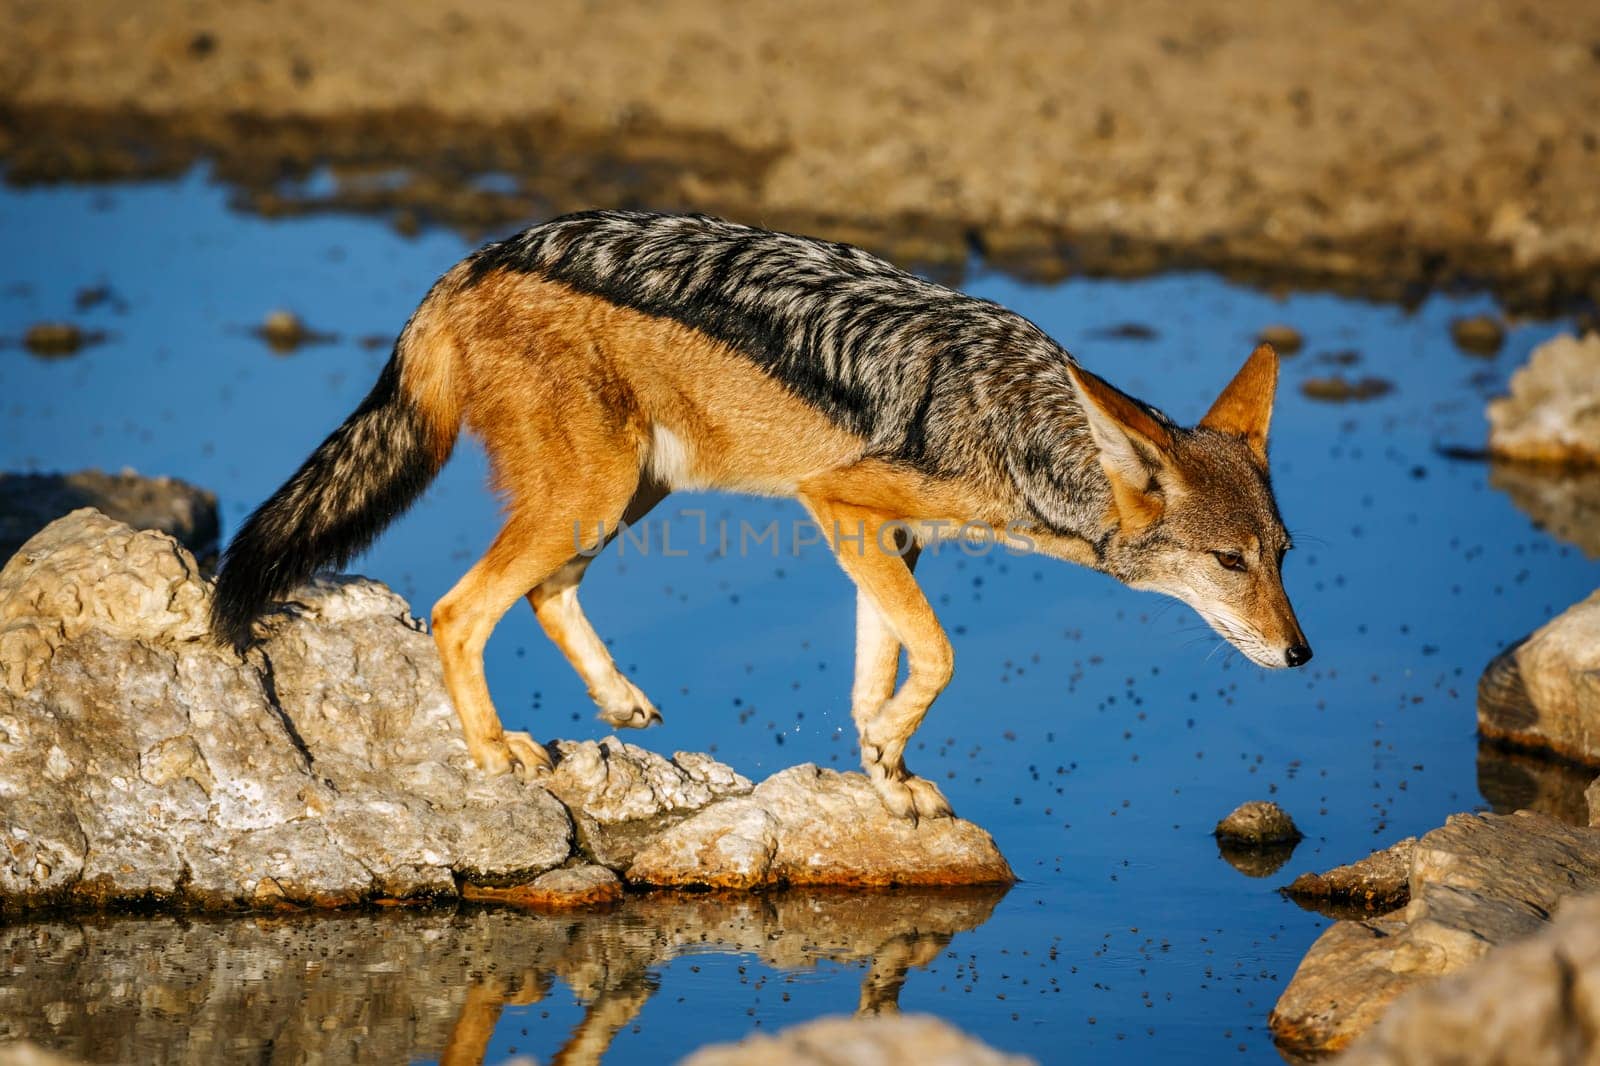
(1229, 560)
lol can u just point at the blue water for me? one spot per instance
(1098, 733)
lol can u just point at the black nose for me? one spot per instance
(1298, 655)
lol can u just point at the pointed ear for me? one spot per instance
(1133, 445)
(1245, 407)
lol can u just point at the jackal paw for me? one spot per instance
(905, 794)
(630, 709)
(527, 756)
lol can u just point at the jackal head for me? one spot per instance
(1192, 509)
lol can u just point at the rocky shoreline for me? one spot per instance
(143, 766)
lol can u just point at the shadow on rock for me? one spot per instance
(431, 984)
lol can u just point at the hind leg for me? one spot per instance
(537, 541)
(555, 602)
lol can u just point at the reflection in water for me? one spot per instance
(1256, 860)
(1512, 780)
(1565, 503)
(390, 986)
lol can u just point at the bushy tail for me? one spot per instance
(364, 476)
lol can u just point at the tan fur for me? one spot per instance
(591, 413)
(570, 395)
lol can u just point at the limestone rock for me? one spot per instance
(1592, 796)
(29, 502)
(1476, 882)
(897, 1040)
(1544, 693)
(1536, 1001)
(138, 761)
(810, 826)
(428, 984)
(1552, 414)
(1377, 884)
(623, 796)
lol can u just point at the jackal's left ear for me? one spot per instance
(1134, 447)
(1245, 407)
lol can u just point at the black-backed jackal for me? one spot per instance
(608, 358)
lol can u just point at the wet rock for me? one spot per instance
(623, 796)
(1543, 693)
(1377, 884)
(1258, 822)
(1552, 413)
(429, 984)
(899, 1040)
(1478, 334)
(1477, 881)
(1512, 780)
(284, 331)
(810, 826)
(56, 340)
(1531, 1001)
(140, 762)
(561, 889)
(29, 502)
(1563, 501)
(1257, 838)
(1335, 388)
(1286, 339)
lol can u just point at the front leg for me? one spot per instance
(891, 611)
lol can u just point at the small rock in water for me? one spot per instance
(1258, 822)
(1336, 389)
(1478, 335)
(1286, 339)
(284, 331)
(54, 340)
(1377, 884)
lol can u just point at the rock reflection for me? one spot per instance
(394, 986)
(1563, 502)
(1511, 780)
